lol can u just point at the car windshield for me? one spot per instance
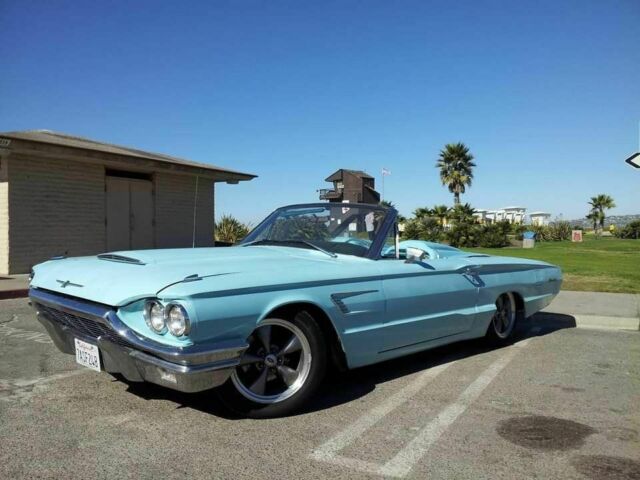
(335, 228)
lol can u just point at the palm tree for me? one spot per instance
(599, 204)
(230, 230)
(441, 212)
(456, 168)
(390, 204)
(593, 217)
(463, 213)
(422, 212)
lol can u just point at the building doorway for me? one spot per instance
(129, 209)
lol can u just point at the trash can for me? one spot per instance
(528, 239)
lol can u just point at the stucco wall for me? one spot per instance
(56, 207)
(4, 216)
(175, 199)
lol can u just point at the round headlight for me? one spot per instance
(177, 320)
(154, 316)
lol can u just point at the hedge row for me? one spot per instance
(470, 234)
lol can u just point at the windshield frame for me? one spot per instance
(375, 250)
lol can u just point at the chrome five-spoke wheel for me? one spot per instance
(276, 365)
(504, 319)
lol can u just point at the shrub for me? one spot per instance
(559, 230)
(463, 235)
(631, 230)
(230, 230)
(553, 232)
(423, 228)
(474, 235)
(493, 235)
(516, 229)
(541, 231)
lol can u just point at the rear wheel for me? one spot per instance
(283, 366)
(503, 321)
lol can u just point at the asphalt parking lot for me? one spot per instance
(562, 402)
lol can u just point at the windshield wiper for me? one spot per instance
(320, 249)
(284, 242)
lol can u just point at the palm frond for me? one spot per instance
(456, 165)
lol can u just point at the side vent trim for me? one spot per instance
(338, 298)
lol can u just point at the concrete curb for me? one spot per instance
(605, 322)
(615, 311)
(19, 293)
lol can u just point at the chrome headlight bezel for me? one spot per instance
(185, 328)
(148, 306)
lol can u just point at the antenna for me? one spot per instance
(195, 210)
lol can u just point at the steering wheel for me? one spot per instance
(388, 251)
(359, 241)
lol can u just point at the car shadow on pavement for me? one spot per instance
(344, 387)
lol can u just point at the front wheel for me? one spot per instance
(503, 321)
(283, 366)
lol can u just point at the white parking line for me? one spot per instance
(14, 332)
(404, 461)
(328, 451)
(51, 378)
(18, 388)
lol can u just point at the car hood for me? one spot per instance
(119, 278)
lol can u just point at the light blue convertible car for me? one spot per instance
(312, 286)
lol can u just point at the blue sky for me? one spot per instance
(546, 94)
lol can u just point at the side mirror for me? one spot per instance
(415, 255)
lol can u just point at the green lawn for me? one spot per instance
(600, 265)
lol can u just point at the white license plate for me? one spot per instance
(87, 355)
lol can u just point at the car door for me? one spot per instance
(427, 300)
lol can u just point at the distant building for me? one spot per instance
(353, 186)
(539, 218)
(506, 214)
(66, 195)
(480, 215)
(514, 214)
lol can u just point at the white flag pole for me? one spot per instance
(384, 172)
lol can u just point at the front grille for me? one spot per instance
(85, 326)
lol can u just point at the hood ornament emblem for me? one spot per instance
(66, 283)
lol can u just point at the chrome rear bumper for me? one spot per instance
(186, 369)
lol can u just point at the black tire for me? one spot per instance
(499, 333)
(237, 402)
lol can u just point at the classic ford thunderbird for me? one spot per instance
(312, 286)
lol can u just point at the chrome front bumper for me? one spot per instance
(187, 369)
